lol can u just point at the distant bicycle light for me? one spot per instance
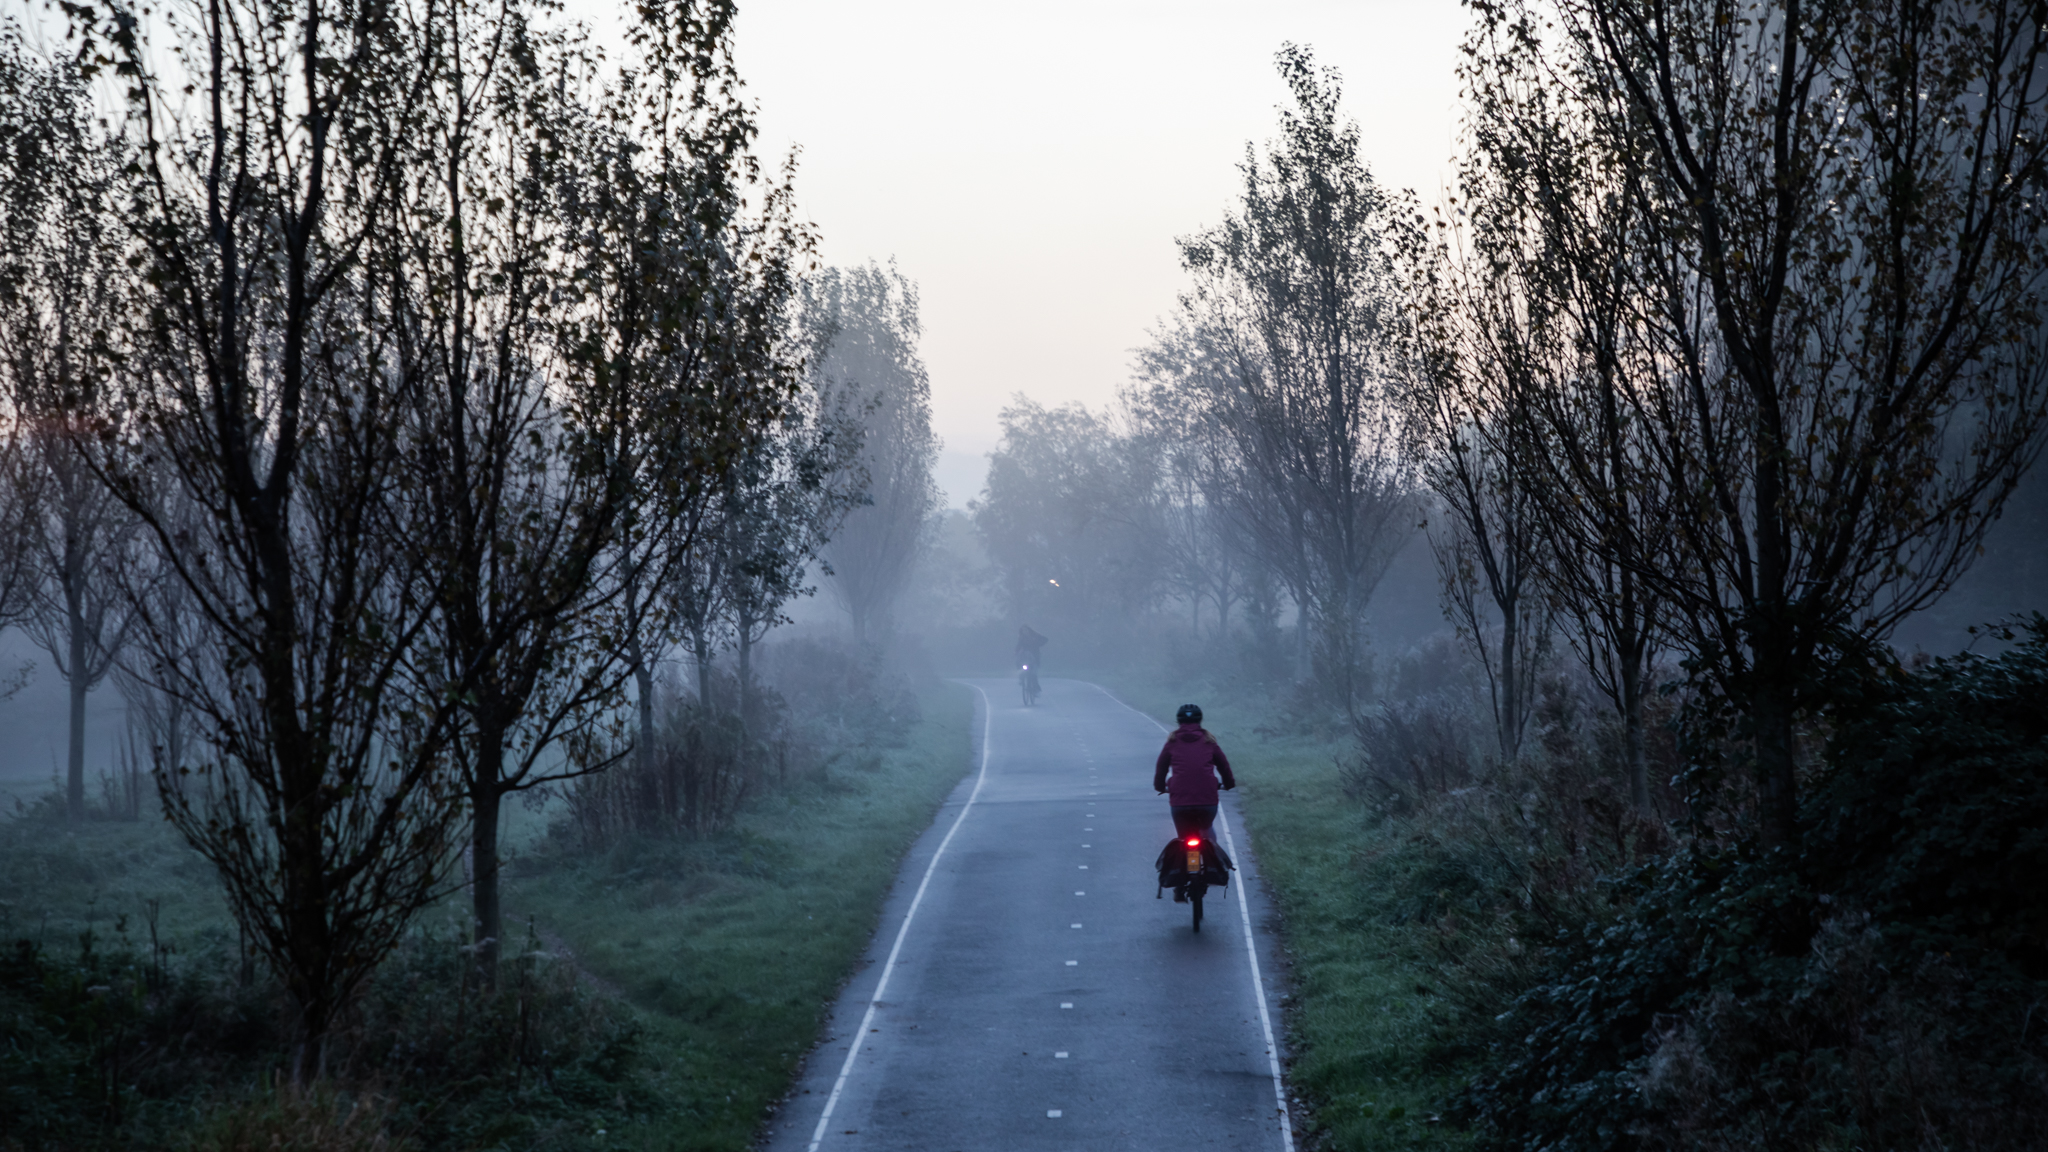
(1054, 583)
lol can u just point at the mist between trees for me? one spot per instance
(412, 410)
(415, 410)
(1710, 374)
(1537, 381)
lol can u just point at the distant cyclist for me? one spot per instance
(1187, 772)
(1029, 645)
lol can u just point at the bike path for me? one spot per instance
(1040, 996)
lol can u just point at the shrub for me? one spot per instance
(1408, 751)
(117, 1050)
(111, 1045)
(703, 764)
(1875, 989)
(835, 697)
(814, 704)
(318, 1119)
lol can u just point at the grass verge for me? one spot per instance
(732, 948)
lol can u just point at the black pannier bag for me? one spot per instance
(1172, 864)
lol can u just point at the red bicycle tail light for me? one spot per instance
(1194, 842)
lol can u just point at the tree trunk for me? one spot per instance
(486, 798)
(1632, 733)
(74, 762)
(643, 683)
(77, 679)
(1510, 696)
(309, 1052)
(1304, 640)
(174, 731)
(700, 650)
(746, 671)
(308, 935)
(1776, 764)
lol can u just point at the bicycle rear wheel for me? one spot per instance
(1195, 898)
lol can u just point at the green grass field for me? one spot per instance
(57, 881)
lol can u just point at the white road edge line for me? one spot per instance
(1251, 952)
(860, 1034)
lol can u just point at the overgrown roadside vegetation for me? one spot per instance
(659, 995)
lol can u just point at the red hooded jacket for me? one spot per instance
(1195, 759)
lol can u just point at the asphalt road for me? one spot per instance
(1038, 996)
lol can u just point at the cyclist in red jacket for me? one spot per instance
(1187, 772)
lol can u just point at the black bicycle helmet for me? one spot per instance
(1189, 714)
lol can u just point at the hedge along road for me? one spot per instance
(1027, 990)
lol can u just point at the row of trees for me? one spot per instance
(387, 391)
(1734, 335)
(1727, 346)
(1256, 464)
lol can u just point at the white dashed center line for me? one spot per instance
(1073, 963)
(1059, 1055)
(1258, 980)
(1052, 1113)
(1073, 925)
(1066, 1003)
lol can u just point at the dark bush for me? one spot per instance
(1876, 989)
(117, 1049)
(703, 765)
(1932, 814)
(112, 1047)
(520, 1066)
(1410, 750)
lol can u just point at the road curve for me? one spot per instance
(1033, 992)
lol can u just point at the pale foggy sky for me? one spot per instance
(1030, 166)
